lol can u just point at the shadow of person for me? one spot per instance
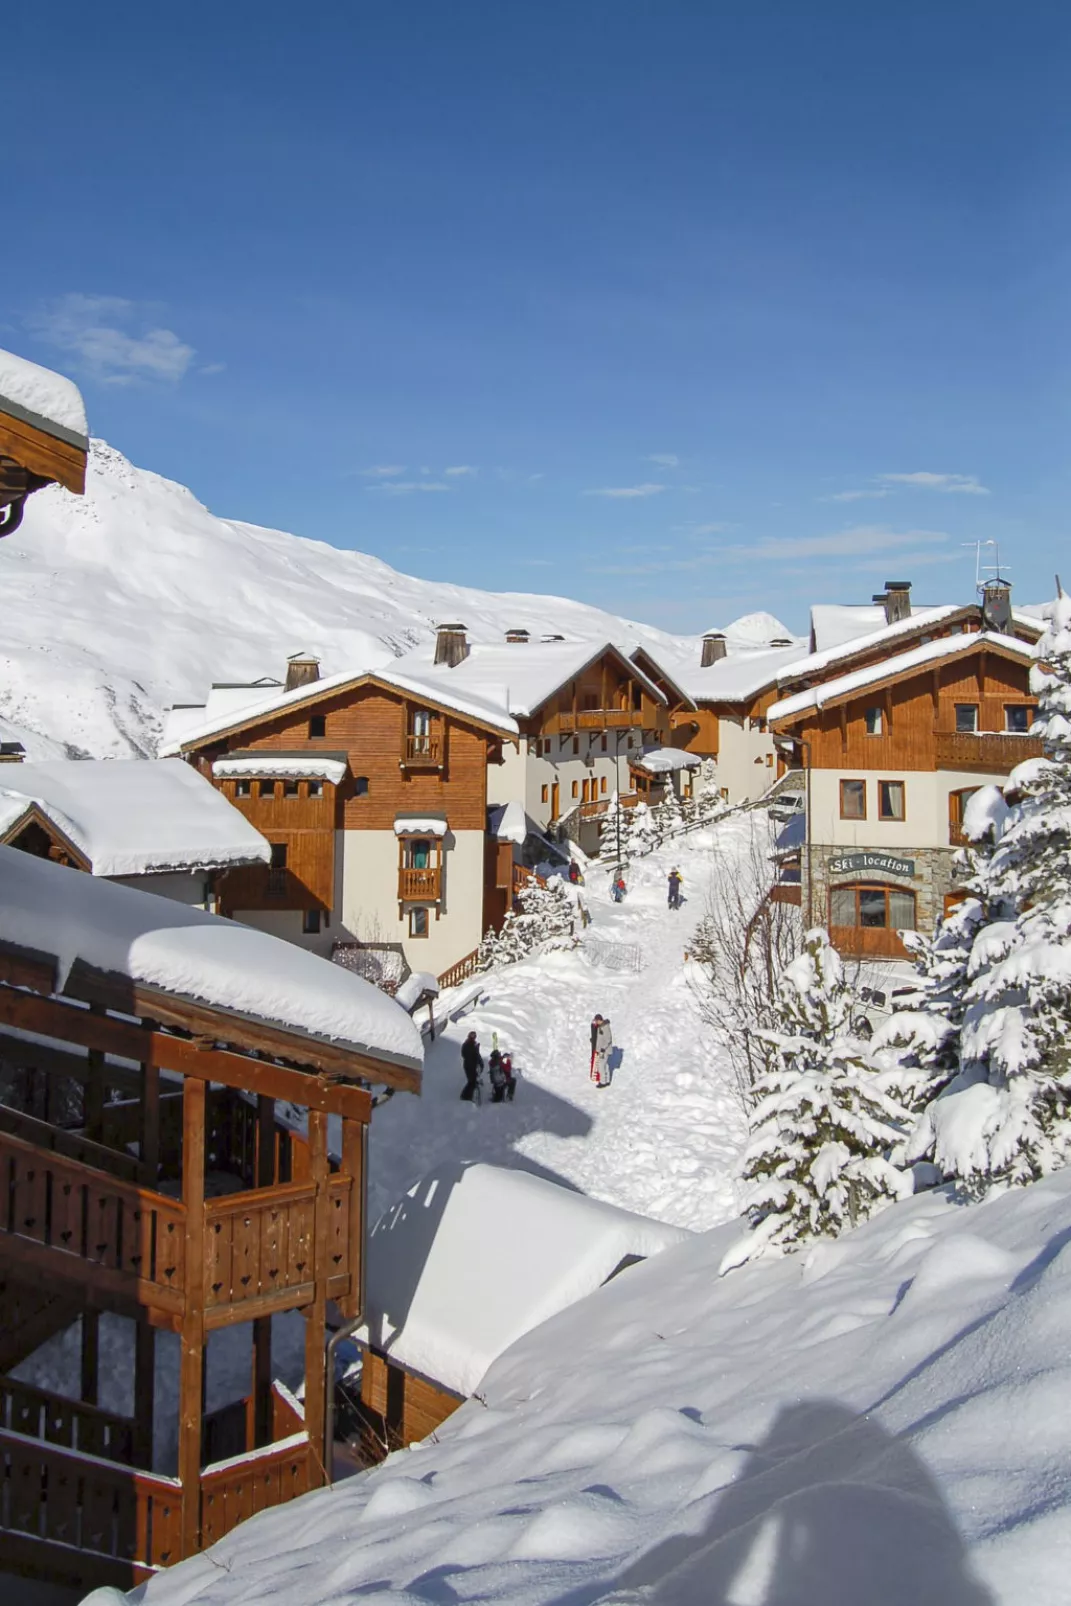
(830, 1510)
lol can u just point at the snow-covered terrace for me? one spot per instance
(134, 818)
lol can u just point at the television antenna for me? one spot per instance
(993, 570)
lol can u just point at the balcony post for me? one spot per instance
(191, 1361)
(316, 1313)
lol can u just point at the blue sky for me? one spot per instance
(684, 308)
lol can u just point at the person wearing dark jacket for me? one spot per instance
(472, 1063)
(676, 881)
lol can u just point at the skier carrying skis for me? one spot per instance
(601, 1043)
(676, 881)
(472, 1063)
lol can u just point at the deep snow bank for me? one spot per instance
(879, 1422)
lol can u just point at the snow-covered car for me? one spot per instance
(787, 804)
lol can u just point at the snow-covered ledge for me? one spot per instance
(277, 769)
(420, 825)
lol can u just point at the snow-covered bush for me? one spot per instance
(548, 918)
(825, 1121)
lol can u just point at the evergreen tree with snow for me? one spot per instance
(547, 918)
(1006, 1117)
(668, 816)
(613, 828)
(825, 1120)
(642, 832)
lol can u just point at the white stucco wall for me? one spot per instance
(747, 763)
(179, 885)
(286, 923)
(925, 822)
(367, 902)
(525, 774)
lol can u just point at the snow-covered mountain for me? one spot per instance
(118, 603)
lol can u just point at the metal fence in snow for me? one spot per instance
(626, 956)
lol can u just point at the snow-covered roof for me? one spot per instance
(282, 765)
(759, 629)
(420, 825)
(834, 623)
(932, 652)
(792, 835)
(519, 676)
(13, 806)
(486, 709)
(742, 674)
(138, 816)
(44, 399)
(159, 942)
(419, 984)
(472, 1257)
(664, 760)
(919, 622)
(510, 823)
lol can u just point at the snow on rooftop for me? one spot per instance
(921, 620)
(664, 760)
(834, 623)
(419, 984)
(759, 629)
(43, 398)
(162, 943)
(931, 652)
(742, 674)
(518, 676)
(139, 816)
(474, 1256)
(420, 825)
(13, 806)
(281, 766)
(510, 823)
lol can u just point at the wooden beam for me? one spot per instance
(120, 1292)
(353, 1166)
(42, 453)
(191, 1362)
(149, 1113)
(262, 1379)
(52, 1017)
(316, 1313)
(27, 967)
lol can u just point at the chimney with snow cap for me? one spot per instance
(451, 644)
(302, 668)
(517, 636)
(896, 600)
(996, 605)
(713, 648)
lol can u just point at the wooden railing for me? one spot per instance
(595, 719)
(522, 876)
(595, 809)
(997, 751)
(418, 750)
(259, 1245)
(80, 1212)
(461, 971)
(54, 1419)
(61, 1497)
(72, 1145)
(422, 885)
(233, 1490)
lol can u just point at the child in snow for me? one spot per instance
(676, 881)
(503, 1082)
(617, 887)
(472, 1063)
(601, 1043)
(575, 878)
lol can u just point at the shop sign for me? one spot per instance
(850, 863)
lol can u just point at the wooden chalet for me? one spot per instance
(144, 1048)
(43, 436)
(887, 757)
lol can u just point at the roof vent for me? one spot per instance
(996, 605)
(713, 649)
(12, 752)
(451, 644)
(782, 641)
(517, 636)
(551, 637)
(896, 600)
(302, 668)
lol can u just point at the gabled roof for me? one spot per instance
(738, 677)
(487, 712)
(920, 622)
(520, 676)
(134, 816)
(943, 650)
(660, 671)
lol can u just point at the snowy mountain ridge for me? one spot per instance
(118, 603)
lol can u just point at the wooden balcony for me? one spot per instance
(598, 719)
(54, 1419)
(983, 752)
(420, 886)
(595, 809)
(259, 1249)
(423, 752)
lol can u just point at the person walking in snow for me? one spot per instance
(601, 1043)
(676, 881)
(575, 878)
(472, 1064)
(617, 887)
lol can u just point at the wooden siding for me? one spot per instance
(42, 454)
(697, 732)
(403, 1406)
(604, 697)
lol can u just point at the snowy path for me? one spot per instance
(665, 1138)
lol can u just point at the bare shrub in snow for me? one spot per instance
(825, 1120)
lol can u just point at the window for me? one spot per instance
(873, 718)
(290, 788)
(243, 789)
(360, 786)
(967, 717)
(874, 908)
(602, 786)
(590, 701)
(957, 804)
(890, 800)
(576, 788)
(317, 726)
(278, 855)
(576, 744)
(602, 739)
(277, 870)
(418, 853)
(420, 731)
(544, 794)
(316, 788)
(853, 800)
(310, 922)
(1018, 718)
(418, 922)
(266, 788)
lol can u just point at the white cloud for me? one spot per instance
(113, 340)
(406, 487)
(856, 496)
(461, 470)
(697, 530)
(859, 541)
(383, 471)
(950, 484)
(647, 489)
(663, 459)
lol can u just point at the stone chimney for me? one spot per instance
(517, 637)
(896, 600)
(713, 649)
(302, 668)
(996, 606)
(451, 644)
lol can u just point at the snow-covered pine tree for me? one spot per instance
(546, 919)
(825, 1120)
(642, 833)
(613, 828)
(1007, 1116)
(668, 816)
